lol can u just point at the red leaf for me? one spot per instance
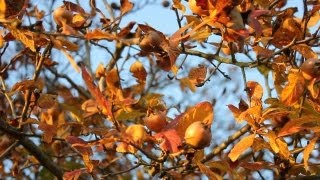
(96, 93)
(79, 144)
(170, 140)
(73, 175)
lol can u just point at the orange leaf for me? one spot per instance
(208, 172)
(296, 125)
(139, 72)
(47, 101)
(200, 112)
(126, 6)
(305, 51)
(241, 146)
(49, 131)
(272, 141)
(98, 34)
(25, 36)
(73, 175)
(96, 93)
(79, 144)
(307, 151)
(294, 90)
(255, 92)
(87, 162)
(170, 140)
(198, 75)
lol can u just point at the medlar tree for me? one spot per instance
(64, 115)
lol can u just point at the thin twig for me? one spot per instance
(8, 150)
(217, 150)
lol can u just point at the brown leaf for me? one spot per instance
(305, 51)
(198, 75)
(126, 6)
(170, 140)
(307, 151)
(49, 131)
(10, 9)
(27, 85)
(207, 171)
(255, 92)
(96, 93)
(73, 175)
(74, 7)
(46, 101)
(139, 72)
(98, 34)
(240, 147)
(294, 89)
(79, 144)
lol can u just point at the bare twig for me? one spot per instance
(32, 148)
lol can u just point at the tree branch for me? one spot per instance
(217, 150)
(32, 148)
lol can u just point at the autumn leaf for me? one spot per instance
(255, 92)
(209, 173)
(98, 34)
(25, 36)
(46, 101)
(305, 50)
(49, 131)
(297, 125)
(294, 89)
(170, 140)
(197, 75)
(73, 175)
(240, 147)
(79, 144)
(96, 93)
(200, 112)
(136, 133)
(178, 5)
(87, 162)
(139, 72)
(307, 151)
(126, 6)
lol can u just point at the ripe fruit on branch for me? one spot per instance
(150, 42)
(62, 16)
(310, 68)
(156, 122)
(198, 135)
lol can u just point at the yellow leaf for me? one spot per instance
(294, 89)
(283, 148)
(272, 141)
(2, 9)
(71, 60)
(305, 51)
(241, 146)
(307, 151)
(178, 5)
(87, 161)
(210, 174)
(25, 36)
(185, 82)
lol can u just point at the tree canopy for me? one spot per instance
(232, 93)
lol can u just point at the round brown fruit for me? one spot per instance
(62, 16)
(150, 41)
(156, 122)
(198, 135)
(165, 3)
(310, 68)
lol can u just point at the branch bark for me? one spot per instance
(32, 148)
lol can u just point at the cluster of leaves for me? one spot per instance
(107, 129)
